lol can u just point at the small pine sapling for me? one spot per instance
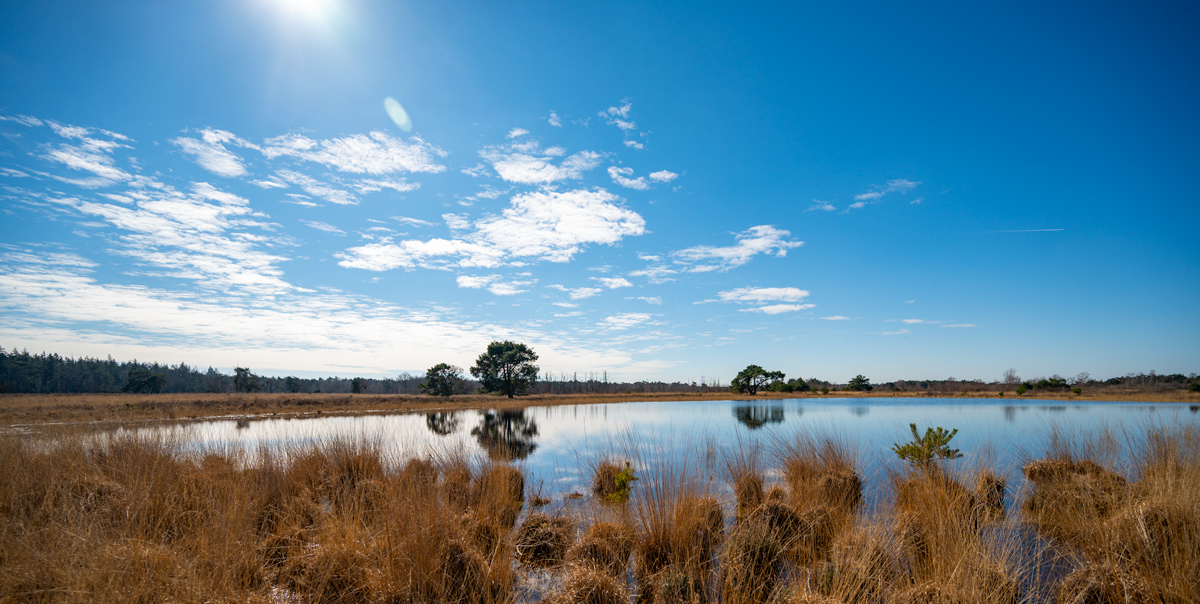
(924, 450)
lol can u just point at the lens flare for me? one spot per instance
(398, 114)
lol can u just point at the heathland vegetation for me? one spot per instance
(1103, 518)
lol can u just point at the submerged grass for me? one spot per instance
(140, 520)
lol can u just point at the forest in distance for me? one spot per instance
(51, 373)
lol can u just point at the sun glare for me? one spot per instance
(309, 10)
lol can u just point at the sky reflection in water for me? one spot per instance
(556, 444)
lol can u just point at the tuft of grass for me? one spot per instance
(542, 540)
(605, 546)
(751, 561)
(586, 585)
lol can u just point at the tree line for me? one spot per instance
(25, 372)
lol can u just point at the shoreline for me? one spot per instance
(30, 410)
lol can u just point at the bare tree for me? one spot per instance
(1081, 378)
(1011, 378)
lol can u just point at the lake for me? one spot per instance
(557, 444)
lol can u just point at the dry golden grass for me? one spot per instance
(137, 520)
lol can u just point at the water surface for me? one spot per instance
(556, 444)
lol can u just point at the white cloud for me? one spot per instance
(526, 163)
(200, 236)
(648, 257)
(515, 132)
(583, 293)
(574, 313)
(377, 154)
(621, 177)
(758, 295)
(413, 221)
(895, 333)
(663, 176)
(961, 325)
(762, 239)
(494, 284)
(368, 185)
(655, 274)
(269, 184)
(910, 301)
(553, 120)
(476, 171)
(613, 282)
(210, 153)
(635, 145)
(625, 320)
(621, 111)
(546, 225)
(656, 300)
(835, 318)
(317, 188)
(457, 222)
(321, 226)
(918, 322)
(92, 154)
(566, 304)
(327, 333)
(775, 309)
(857, 205)
(915, 201)
(27, 120)
(901, 185)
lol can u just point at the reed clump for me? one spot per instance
(542, 540)
(606, 546)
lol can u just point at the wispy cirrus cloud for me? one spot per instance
(321, 226)
(901, 185)
(835, 318)
(317, 188)
(621, 177)
(762, 239)
(210, 152)
(91, 154)
(547, 226)
(896, 333)
(377, 153)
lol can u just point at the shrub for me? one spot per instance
(922, 451)
(1194, 387)
(1022, 389)
(612, 482)
(1077, 390)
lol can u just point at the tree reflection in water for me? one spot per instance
(506, 435)
(442, 424)
(755, 417)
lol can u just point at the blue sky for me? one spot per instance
(656, 190)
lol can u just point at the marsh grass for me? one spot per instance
(128, 519)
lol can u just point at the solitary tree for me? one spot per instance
(443, 380)
(753, 377)
(859, 383)
(244, 381)
(506, 368)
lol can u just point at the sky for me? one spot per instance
(656, 190)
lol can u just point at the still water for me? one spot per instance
(556, 445)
